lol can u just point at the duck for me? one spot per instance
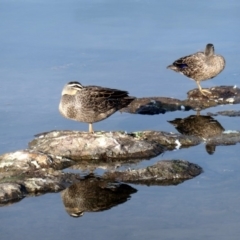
(200, 66)
(90, 104)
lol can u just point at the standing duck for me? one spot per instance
(200, 66)
(91, 104)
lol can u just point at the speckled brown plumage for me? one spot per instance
(91, 104)
(200, 66)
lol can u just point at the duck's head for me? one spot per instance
(209, 50)
(71, 88)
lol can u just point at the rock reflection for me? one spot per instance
(94, 194)
(105, 165)
(201, 126)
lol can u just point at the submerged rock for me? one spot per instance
(164, 172)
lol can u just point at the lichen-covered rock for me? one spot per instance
(162, 171)
(170, 141)
(219, 94)
(28, 159)
(20, 184)
(10, 192)
(100, 145)
(229, 113)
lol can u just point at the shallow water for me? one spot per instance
(125, 45)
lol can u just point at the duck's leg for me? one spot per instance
(203, 90)
(91, 128)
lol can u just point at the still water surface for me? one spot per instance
(125, 45)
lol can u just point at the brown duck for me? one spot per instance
(91, 104)
(200, 66)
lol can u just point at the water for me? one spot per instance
(125, 45)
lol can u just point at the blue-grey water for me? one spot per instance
(125, 45)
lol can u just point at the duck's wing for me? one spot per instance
(188, 64)
(104, 99)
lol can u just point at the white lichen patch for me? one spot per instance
(230, 131)
(35, 163)
(178, 144)
(230, 100)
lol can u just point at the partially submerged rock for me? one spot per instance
(114, 145)
(170, 141)
(32, 160)
(29, 172)
(100, 145)
(18, 185)
(196, 101)
(162, 173)
(221, 94)
(229, 113)
(10, 192)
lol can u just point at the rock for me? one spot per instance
(10, 193)
(220, 94)
(18, 185)
(155, 105)
(230, 113)
(170, 141)
(162, 173)
(196, 101)
(100, 145)
(28, 159)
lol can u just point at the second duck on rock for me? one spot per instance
(91, 104)
(200, 66)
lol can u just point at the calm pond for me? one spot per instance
(125, 45)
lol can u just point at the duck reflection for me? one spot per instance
(94, 194)
(199, 125)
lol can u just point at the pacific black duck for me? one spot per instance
(200, 66)
(91, 104)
